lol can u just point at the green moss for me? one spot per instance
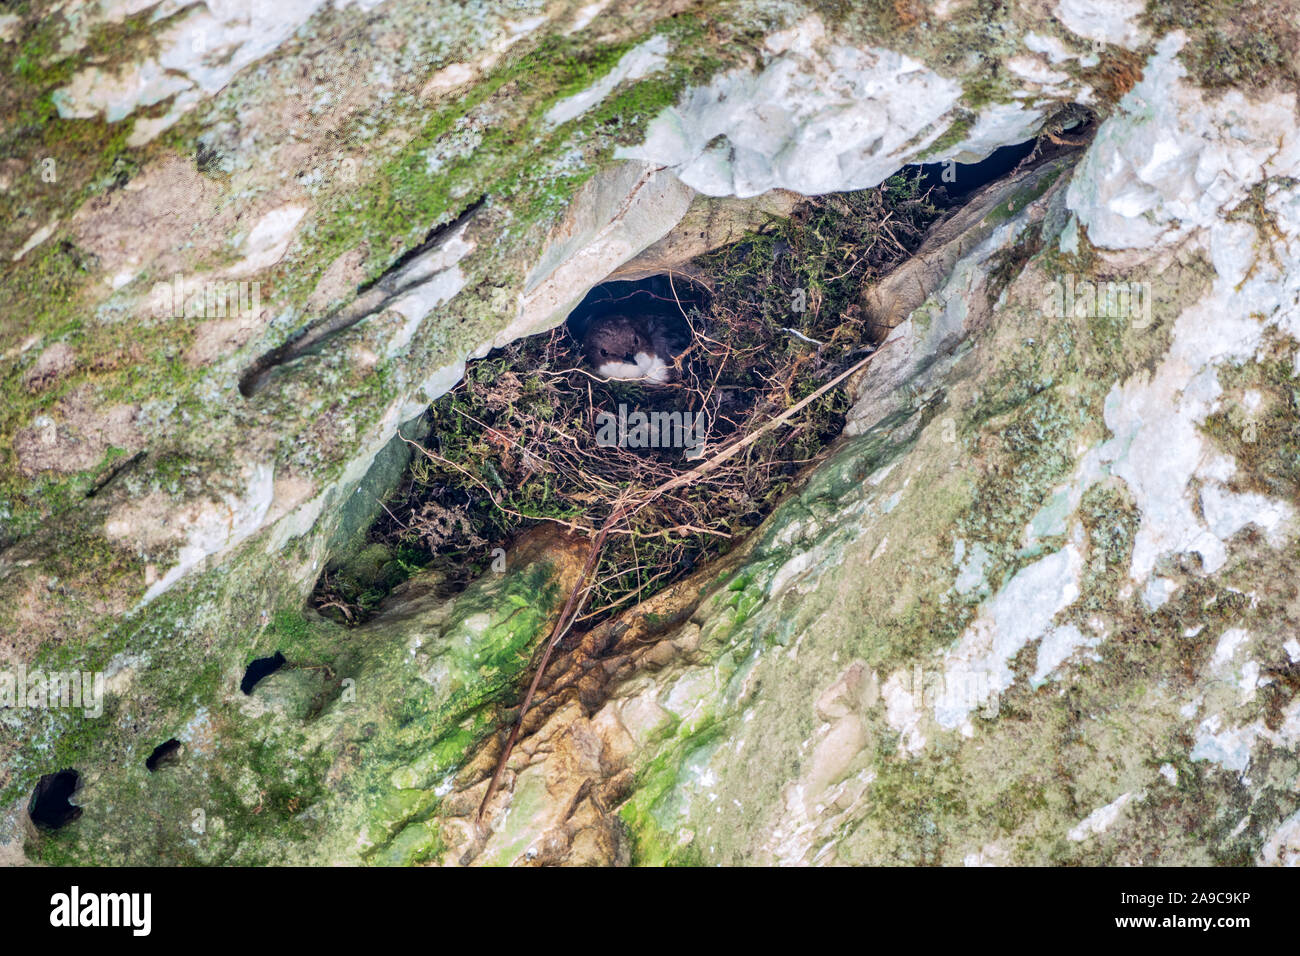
(1230, 45)
(299, 637)
(89, 156)
(179, 674)
(655, 816)
(419, 843)
(265, 782)
(954, 134)
(398, 808)
(1265, 441)
(36, 61)
(1022, 198)
(984, 90)
(1111, 521)
(916, 806)
(459, 155)
(1036, 442)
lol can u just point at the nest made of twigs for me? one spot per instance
(769, 320)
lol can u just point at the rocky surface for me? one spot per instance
(1038, 606)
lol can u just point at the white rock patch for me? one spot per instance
(1106, 21)
(1167, 167)
(818, 117)
(1056, 648)
(903, 713)
(1229, 642)
(1229, 747)
(1283, 847)
(1101, 819)
(212, 527)
(978, 668)
(1169, 162)
(196, 57)
(268, 240)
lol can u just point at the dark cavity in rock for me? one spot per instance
(50, 807)
(964, 178)
(262, 667)
(530, 434)
(656, 297)
(164, 753)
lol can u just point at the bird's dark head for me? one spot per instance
(615, 339)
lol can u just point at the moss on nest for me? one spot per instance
(513, 444)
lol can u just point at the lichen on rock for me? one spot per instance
(1036, 606)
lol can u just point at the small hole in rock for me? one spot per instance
(964, 178)
(50, 807)
(164, 753)
(262, 667)
(655, 297)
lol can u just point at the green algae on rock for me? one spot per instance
(854, 688)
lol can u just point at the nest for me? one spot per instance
(523, 438)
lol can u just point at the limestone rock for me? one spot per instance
(1037, 606)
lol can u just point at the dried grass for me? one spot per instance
(515, 443)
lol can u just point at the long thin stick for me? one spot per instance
(578, 596)
(699, 471)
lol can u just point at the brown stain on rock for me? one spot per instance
(76, 434)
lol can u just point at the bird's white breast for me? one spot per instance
(649, 367)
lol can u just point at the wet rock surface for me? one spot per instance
(1038, 606)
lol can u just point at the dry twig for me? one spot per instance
(621, 512)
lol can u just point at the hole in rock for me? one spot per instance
(258, 669)
(655, 299)
(950, 183)
(51, 807)
(540, 432)
(164, 753)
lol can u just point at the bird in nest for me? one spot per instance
(641, 348)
